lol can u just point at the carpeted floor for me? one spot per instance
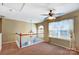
(38, 49)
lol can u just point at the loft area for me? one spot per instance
(33, 27)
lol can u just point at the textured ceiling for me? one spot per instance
(32, 11)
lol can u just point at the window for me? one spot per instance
(61, 29)
(41, 31)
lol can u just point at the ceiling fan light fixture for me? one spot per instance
(51, 17)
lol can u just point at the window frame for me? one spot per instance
(60, 35)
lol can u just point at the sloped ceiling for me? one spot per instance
(31, 12)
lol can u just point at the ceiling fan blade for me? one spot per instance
(59, 14)
(45, 14)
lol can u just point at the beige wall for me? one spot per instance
(0, 41)
(0, 34)
(0, 25)
(75, 38)
(60, 42)
(11, 27)
(77, 32)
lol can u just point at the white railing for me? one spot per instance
(25, 40)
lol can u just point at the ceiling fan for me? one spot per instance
(52, 14)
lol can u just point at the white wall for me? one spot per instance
(0, 41)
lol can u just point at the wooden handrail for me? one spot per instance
(27, 34)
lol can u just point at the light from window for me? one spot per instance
(61, 29)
